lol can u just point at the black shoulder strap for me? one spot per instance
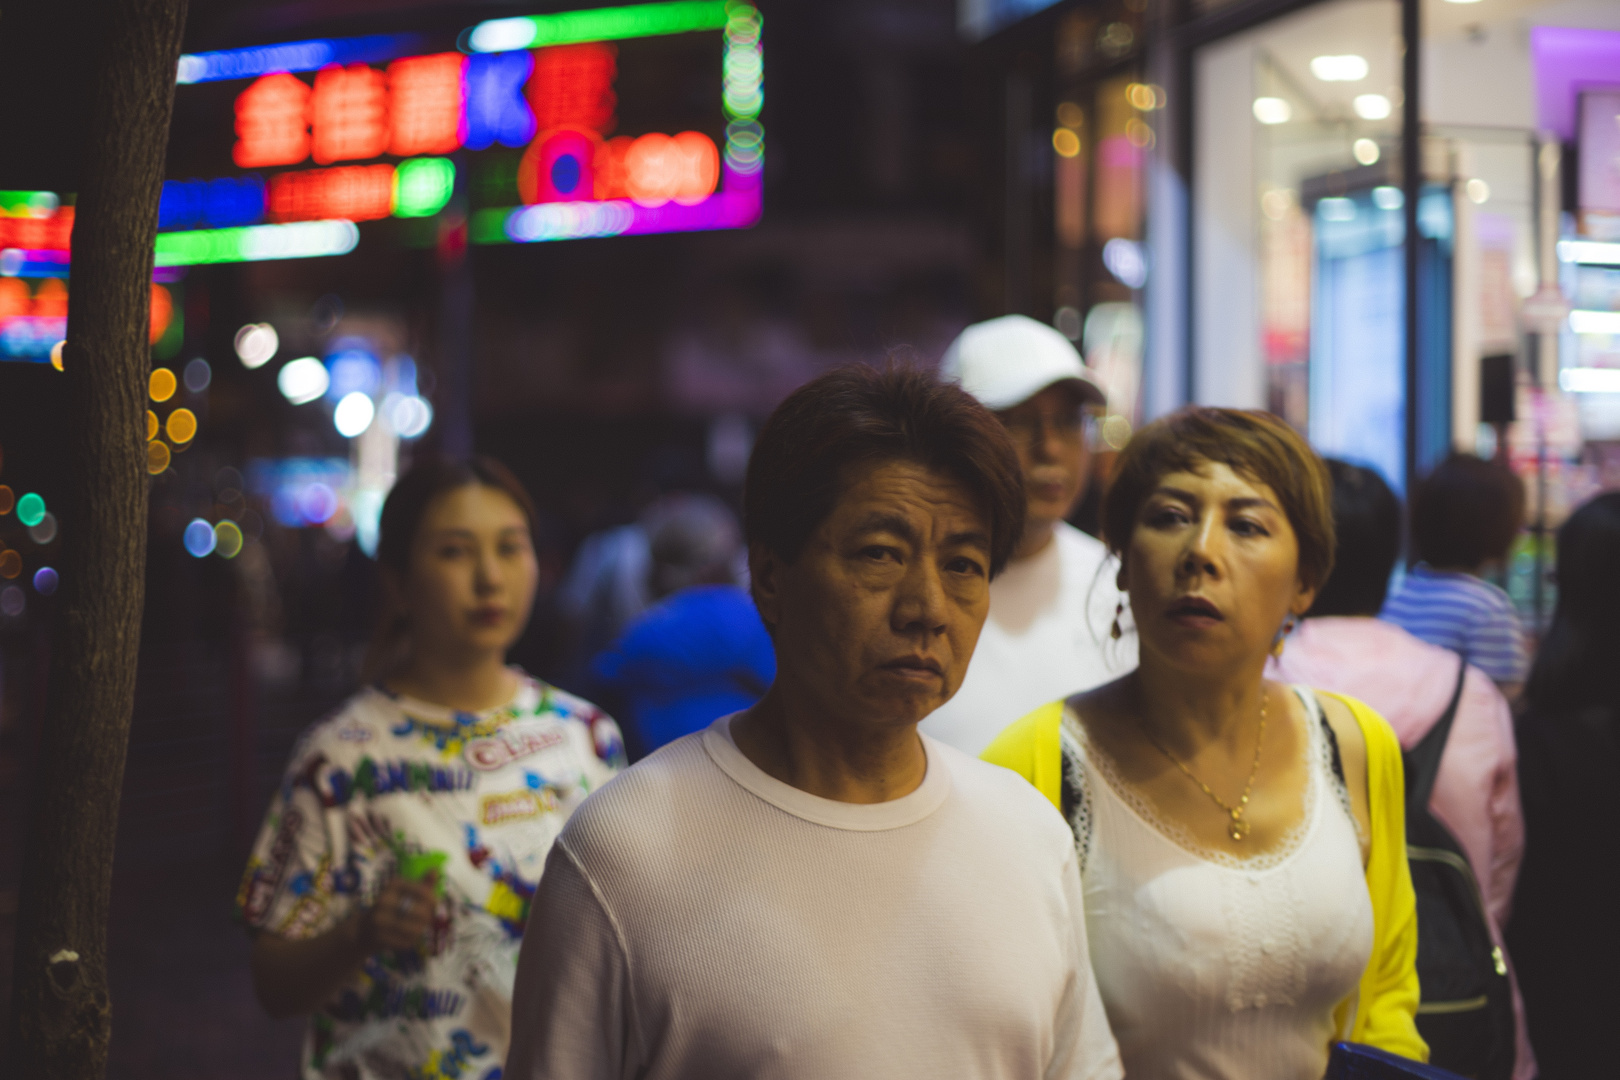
(1422, 762)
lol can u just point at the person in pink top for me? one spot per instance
(1341, 646)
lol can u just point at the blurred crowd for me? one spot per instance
(1421, 725)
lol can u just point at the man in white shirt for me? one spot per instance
(808, 890)
(1053, 609)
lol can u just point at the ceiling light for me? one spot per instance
(1372, 106)
(1347, 68)
(1272, 110)
(1478, 191)
(1365, 151)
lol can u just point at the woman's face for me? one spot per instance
(877, 618)
(472, 574)
(1212, 570)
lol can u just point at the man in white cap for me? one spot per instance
(1051, 609)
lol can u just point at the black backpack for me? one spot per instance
(1466, 1013)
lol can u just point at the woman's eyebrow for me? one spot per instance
(1246, 502)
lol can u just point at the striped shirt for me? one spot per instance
(1460, 612)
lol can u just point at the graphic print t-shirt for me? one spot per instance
(390, 786)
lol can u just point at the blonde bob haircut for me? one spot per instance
(1256, 445)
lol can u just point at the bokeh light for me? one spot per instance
(45, 581)
(353, 414)
(151, 424)
(408, 414)
(303, 380)
(199, 538)
(7, 499)
(45, 531)
(10, 563)
(56, 354)
(256, 343)
(162, 384)
(31, 509)
(1065, 142)
(317, 503)
(197, 375)
(12, 601)
(157, 456)
(182, 426)
(228, 539)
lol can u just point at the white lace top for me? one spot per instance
(1212, 966)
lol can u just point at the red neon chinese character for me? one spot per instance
(425, 110)
(51, 299)
(351, 192)
(349, 113)
(271, 122)
(572, 86)
(13, 298)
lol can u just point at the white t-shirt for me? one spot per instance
(388, 779)
(699, 918)
(1046, 638)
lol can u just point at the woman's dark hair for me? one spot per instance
(1466, 512)
(1254, 444)
(402, 513)
(1576, 666)
(1367, 522)
(858, 415)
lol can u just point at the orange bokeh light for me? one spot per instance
(162, 312)
(425, 100)
(13, 298)
(10, 564)
(182, 426)
(348, 114)
(272, 122)
(157, 456)
(161, 385)
(51, 299)
(151, 425)
(660, 168)
(8, 499)
(353, 192)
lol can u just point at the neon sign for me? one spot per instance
(545, 84)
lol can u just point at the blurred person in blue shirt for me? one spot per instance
(701, 651)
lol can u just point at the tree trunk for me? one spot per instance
(60, 1010)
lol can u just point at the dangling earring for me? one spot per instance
(1282, 635)
(1114, 631)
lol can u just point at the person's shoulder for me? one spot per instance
(994, 793)
(1078, 546)
(641, 807)
(353, 729)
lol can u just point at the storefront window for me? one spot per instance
(1299, 283)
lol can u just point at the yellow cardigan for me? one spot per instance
(1384, 1009)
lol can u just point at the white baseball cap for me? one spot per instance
(1006, 361)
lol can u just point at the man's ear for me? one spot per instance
(765, 583)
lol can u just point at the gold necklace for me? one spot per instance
(1236, 828)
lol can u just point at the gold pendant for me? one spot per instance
(1240, 828)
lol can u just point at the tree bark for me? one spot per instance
(60, 1007)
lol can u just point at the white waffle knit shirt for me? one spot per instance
(700, 919)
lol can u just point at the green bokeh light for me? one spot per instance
(30, 509)
(422, 186)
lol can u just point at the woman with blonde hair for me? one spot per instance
(1242, 842)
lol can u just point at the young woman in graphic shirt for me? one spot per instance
(390, 884)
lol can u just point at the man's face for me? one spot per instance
(1049, 431)
(876, 619)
